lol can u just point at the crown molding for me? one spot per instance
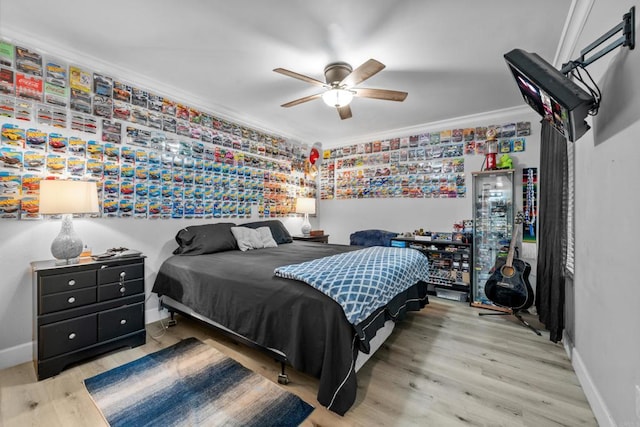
(579, 12)
(455, 122)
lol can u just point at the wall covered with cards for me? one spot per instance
(223, 170)
(404, 183)
(425, 165)
(151, 156)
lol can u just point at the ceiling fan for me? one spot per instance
(341, 82)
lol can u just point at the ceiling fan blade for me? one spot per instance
(300, 77)
(388, 95)
(301, 100)
(345, 112)
(362, 73)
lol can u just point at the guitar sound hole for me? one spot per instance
(508, 271)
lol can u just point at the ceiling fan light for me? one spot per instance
(337, 97)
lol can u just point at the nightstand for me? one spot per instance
(324, 238)
(85, 309)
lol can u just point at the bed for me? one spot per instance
(238, 292)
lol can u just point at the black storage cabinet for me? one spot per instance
(85, 309)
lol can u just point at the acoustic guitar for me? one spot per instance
(509, 284)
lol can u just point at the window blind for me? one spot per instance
(570, 258)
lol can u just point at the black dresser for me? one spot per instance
(85, 309)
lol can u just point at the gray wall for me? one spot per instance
(607, 296)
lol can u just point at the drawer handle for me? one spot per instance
(71, 282)
(123, 322)
(71, 300)
(122, 274)
(123, 290)
(72, 335)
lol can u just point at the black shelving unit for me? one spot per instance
(450, 264)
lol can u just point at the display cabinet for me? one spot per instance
(450, 262)
(493, 200)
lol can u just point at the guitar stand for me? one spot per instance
(518, 316)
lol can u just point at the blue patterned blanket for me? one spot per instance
(363, 280)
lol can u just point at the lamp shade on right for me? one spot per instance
(306, 205)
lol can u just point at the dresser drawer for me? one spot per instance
(68, 335)
(66, 300)
(120, 321)
(67, 282)
(118, 290)
(120, 272)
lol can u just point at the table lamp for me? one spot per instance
(306, 206)
(67, 197)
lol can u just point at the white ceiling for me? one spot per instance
(219, 55)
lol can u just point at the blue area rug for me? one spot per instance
(191, 383)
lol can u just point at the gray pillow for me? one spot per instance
(278, 230)
(206, 239)
(249, 238)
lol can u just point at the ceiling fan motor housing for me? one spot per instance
(335, 72)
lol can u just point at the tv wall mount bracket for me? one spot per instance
(628, 38)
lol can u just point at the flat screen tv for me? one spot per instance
(553, 95)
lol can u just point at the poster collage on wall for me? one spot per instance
(150, 156)
(428, 165)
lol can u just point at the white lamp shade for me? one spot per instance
(337, 97)
(68, 197)
(306, 205)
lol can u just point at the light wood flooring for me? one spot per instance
(443, 366)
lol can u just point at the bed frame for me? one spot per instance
(174, 307)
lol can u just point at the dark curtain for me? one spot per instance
(552, 235)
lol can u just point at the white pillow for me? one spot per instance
(266, 237)
(249, 238)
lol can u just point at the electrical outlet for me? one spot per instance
(638, 401)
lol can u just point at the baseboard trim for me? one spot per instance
(22, 353)
(153, 315)
(568, 344)
(17, 355)
(598, 406)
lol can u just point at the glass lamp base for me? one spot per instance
(67, 245)
(306, 226)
